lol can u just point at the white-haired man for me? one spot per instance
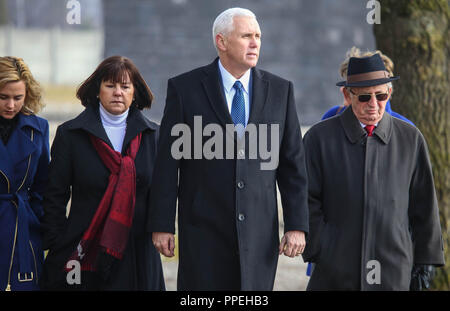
(227, 206)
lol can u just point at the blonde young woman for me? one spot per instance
(24, 158)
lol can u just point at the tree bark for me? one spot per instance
(415, 35)
(3, 13)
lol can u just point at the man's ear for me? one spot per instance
(390, 93)
(221, 42)
(347, 98)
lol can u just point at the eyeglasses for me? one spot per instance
(367, 97)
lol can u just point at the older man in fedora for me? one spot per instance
(374, 220)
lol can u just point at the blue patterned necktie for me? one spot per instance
(238, 105)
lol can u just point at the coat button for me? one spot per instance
(240, 184)
(241, 217)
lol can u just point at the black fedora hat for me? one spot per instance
(366, 71)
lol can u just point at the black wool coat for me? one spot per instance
(227, 208)
(372, 202)
(77, 172)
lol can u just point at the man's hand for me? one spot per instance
(164, 242)
(421, 277)
(293, 243)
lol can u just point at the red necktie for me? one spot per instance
(369, 129)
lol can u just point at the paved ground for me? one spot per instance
(291, 273)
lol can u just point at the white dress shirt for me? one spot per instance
(364, 125)
(228, 81)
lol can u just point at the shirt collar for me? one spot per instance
(364, 125)
(228, 79)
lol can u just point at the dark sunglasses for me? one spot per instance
(366, 97)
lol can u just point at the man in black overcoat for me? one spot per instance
(374, 219)
(226, 180)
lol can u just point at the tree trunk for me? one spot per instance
(415, 35)
(3, 13)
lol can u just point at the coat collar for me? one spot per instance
(260, 90)
(136, 123)
(21, 145)
(89, 121)
(355, 132)
(212, 83)
(31, 121)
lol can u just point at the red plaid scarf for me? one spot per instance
(110, 226)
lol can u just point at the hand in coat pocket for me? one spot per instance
(164, 242)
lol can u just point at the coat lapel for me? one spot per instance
(384, 128)
(212, 83)
(6, 168)
(20, 146)
(89, 120)
(259, 94)
(136, 123)
(352, 128)
(355, 132)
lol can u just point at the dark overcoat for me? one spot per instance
(373, 208)
(77, 171)
(23, 176)
(227, 208)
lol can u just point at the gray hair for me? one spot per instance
(224, 22)
(389, 85)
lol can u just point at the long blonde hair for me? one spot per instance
(14, 69)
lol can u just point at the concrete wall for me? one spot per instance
(302, 40)
(55, 56)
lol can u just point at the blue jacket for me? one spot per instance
(23, 176)
(333, 111)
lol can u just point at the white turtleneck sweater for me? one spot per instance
(115, 127)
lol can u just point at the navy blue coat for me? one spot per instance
(23, 176)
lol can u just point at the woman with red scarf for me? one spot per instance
(103, 161)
